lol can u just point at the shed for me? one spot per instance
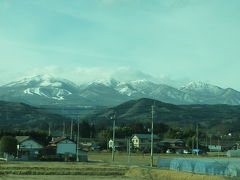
(64, 145)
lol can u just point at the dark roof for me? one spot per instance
(57, 140)
(21, 139)
(119, 140)
(145, 136)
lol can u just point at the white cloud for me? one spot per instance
(81, 75)
(84, 75)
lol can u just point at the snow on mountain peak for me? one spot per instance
(107, 82)
(140, 81)
(43, 80)
(47, 86)
(199, 86)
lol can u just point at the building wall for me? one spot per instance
(68, 147)
(30, 144)
(214, 148)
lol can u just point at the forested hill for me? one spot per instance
(19, 115)
(216, 117)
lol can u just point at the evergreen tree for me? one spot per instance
(8, 145)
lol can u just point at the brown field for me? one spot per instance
(99, 167)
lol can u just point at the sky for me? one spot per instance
(170, 40)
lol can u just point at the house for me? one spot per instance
(87, 143)
(222, 145)
(215, 148)
(64, 147)
(143, 141)
(119, 144)
(28, 147)
(174, 143)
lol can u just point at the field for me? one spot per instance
(99, 167)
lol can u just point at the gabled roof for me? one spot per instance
(21, 139)
(118, 140)
(145, 136)
(59, 139)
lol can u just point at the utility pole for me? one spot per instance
(210, 141)
(77, 139)
(113, 145)
(63, 129)
(71, 130)
(152, 137)
(49, 129)
(129, 150)
(197, 139)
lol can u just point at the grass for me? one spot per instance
(61, 168)
(100, 167)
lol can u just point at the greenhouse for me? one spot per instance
(219, 166)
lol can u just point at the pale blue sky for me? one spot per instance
(194, 39)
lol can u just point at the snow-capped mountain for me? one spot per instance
(201, 88)
(48, 90)
(211, 94)
(41, 89)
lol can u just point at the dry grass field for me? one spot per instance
(99, 167)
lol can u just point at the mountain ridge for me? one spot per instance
(222, 118)
(49, 90)
(24, 116)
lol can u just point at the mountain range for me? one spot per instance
(213, 118)
(49, 90)
(222, 119)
